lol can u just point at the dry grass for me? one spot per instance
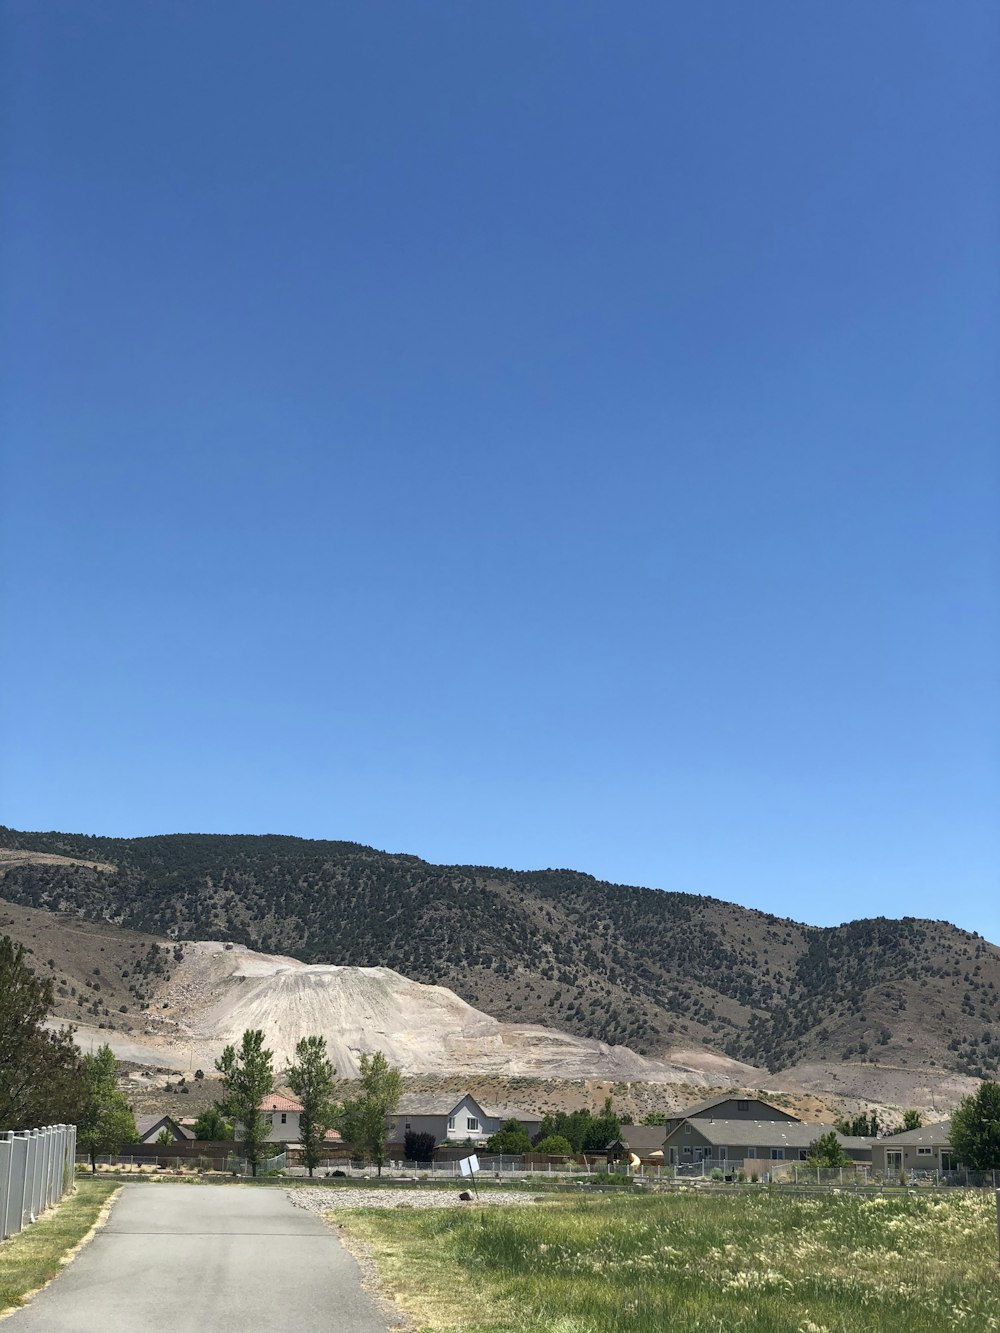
(31, 1259)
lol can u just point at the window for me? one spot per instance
(743, 1106)
(925, 1152)
(777, 1154)
(894, 1160)
(687, 1129)
(723, 1154)
(451, 1122)
(407, 1125)
(284, 1118)
(751, 1152)
(472, 1124)
(803, 1154)
(687, 1152)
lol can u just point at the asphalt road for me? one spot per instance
(205, 1259)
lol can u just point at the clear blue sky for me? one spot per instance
(535, 434)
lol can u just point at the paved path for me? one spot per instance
(205, 1259)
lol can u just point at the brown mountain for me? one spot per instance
(653, 970)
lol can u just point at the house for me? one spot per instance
(925, 1149)
(715, 1141)
(150, 1127)
(642, 1141)
(730, 1108)
(281, 1114)
(451, 1121)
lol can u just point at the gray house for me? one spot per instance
(454, 1121)
(730, 1107)
(708, 1140)
(924, 1149)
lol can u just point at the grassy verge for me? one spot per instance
(28, 1260)
(760, 1264)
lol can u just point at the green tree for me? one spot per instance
(862, 1125)
(975, 1129)
(654, 1118)
(311, 1079)
(247, 1078)
(164, 1137)
(106, 1122)
(39, 1070)
(555, 1145)
(826, 1151)
(911, 1120)
(212, 1125)
(509, 1138)
(363, 1117)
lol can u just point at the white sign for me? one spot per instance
(468, 1164)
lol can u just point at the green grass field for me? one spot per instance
(29, 1259)
(750, 1263)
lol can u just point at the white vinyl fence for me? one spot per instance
(36, 1169)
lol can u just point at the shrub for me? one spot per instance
(556, 1145)
(418, 1146)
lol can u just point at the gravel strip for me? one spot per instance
(321, 1200)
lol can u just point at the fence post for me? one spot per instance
(6, 1152)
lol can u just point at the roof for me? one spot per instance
(512, 1113)
(643, 1140)
(332, 1136)
(768, 1134)
(279, 1102)
(703, 1108)
(937, 1134)
(146, 1124)
(423, 1103)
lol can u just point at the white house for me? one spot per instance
(281, 1113)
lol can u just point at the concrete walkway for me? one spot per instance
(205, 1259)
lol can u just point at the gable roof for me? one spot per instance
(936, 1134)
(148, 1124)
(277, 1101)
(423, 1103)
(643, 1140)
(706, 1107)
(503, 1113)
(768, 1134)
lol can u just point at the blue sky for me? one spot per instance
(550, 434)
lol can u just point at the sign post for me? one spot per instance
(468, 1167)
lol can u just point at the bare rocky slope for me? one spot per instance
(906, 1003)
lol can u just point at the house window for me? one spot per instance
(777, 1154)
(723, 1154)
(284, 1118)
(407, 1125)
(451, 1122)
(743, 1106)
(803, 1154)
(751, 1152)
(472, 1124)
(687, 1152)
(894, 1160)
(925, 1152)
(687, 1129)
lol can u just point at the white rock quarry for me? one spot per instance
(219, 990)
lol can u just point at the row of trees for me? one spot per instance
(248, 1079)
(44, 1078)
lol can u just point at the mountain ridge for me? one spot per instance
(646, 968)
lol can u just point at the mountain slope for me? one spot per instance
(629, 966)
